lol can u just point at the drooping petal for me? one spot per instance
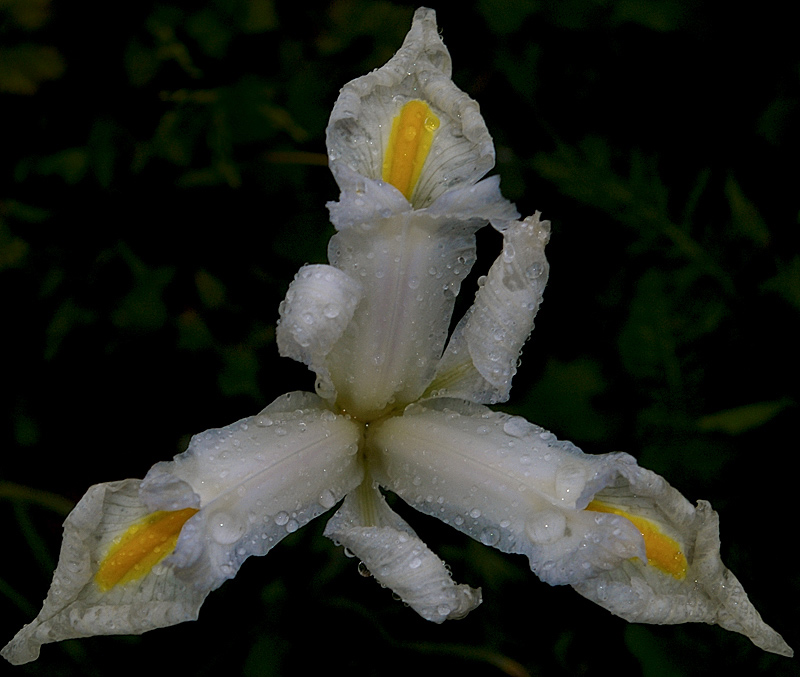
(704, 591)
(257, 480)
(483, 353)
(319, 305)
(620, 534)
(397, 558)
(449, 144)
(77, 605)
(139, 555)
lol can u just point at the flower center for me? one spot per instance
(410, 142)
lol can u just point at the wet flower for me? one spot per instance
(399, 405)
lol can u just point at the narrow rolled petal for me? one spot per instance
(258, 480)
(483, 353)
(319, 305)
(77, 606)
(397, 558)
(452, 147)
(620, 534)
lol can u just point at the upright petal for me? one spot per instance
(451, 145)
(410, 267)
(483, 353)
(318, 307)
(397, 558)
(139, 555)
(620, 534)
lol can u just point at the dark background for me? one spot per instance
(162, 177)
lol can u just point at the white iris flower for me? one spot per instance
(397, 406)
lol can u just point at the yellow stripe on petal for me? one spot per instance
(141, 547)
(409, 144)
(663, 552)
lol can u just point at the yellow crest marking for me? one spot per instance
(663, 552)
(141, 547)
(410, 142)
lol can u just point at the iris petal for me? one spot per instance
(397, 558)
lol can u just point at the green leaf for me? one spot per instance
(741, 419)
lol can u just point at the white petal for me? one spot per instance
(410, 266)
(483, 353)
(361, 121)
(254, 482)
(76, 607)
(365, 201)
(512, 485)
(258, 480)
(397, 558)
(709, 592)
(506, 483)
(319, 304)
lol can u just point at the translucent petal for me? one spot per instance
(709, 592)
(410, 267)
(254, 482)
(483, 353)
(319, 304)
(397, 558)
(361, 120)
(506, 483)
(76, 606)
(257, 480)
(600, 523)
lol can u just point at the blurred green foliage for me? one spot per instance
(163, 177)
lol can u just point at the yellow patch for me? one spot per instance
(663, 552)
(141, 547)
(409, 144)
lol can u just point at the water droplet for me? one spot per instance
(327, 499)
(490, 536)
(281, 518)
(415, 563)
(475, 513)
(225, 528)
(546, 526)
(516, 426)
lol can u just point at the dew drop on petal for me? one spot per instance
(327, 499)
(225, 528)
(490, 536)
